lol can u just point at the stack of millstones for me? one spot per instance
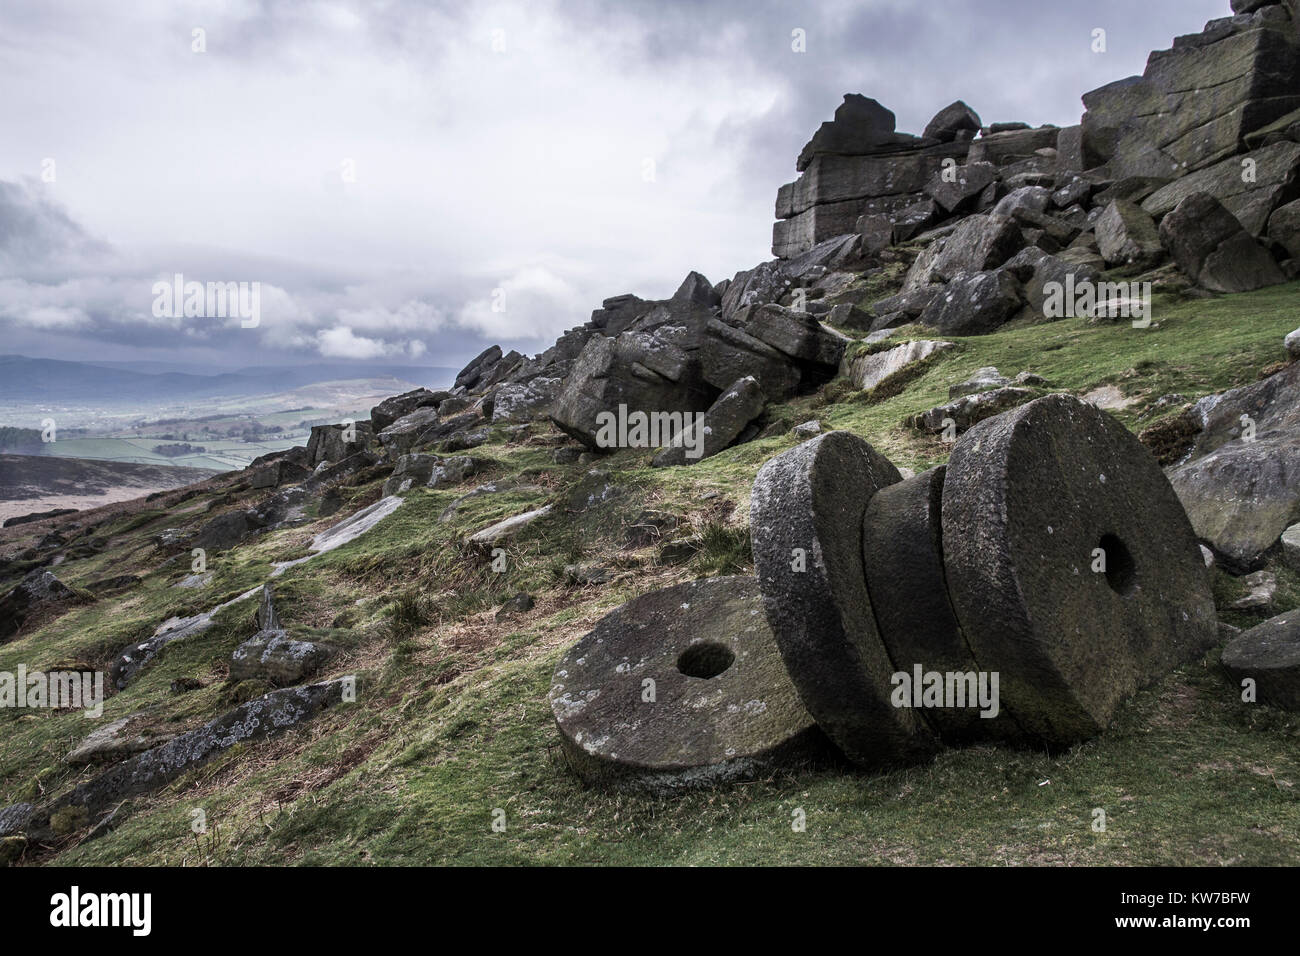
(1031, 585)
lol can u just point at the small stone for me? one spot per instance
(1269, 655)
(680, 550)
(588, 574)
(1291, 547)
(496, 533)
(807, 430)
(1263, 589)
(1292, 343)
(521, 603)
(984, 379)
(1207, 556)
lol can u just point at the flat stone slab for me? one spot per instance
(806, 512)
(902, 551)
(1028, 498)
(1270, 656)
(720, 706)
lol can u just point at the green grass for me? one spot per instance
(452, 722)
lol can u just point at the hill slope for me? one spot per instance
(451, 721)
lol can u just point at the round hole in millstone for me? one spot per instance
(1026, 499)
(630, 718)
(705, 660)
(1121, 568)
(806, 514)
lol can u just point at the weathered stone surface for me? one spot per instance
(422, 427)
(480, 365)
(1005, 147)
(912, 218)
(1075, 191)
(1197, 102)
(1284, 228)
(465, 439)
(950, 121)
(721, 425)
(1275, 169)
(13, 819)
(974, 304)
(982, 380)
(1269, 655)
(391, 409)
(1028, 499)
(644, 371)
(507, 528)
(837, 179)
(861, 126)
(1032, 198)
(1242, 494)
(868, 370)
(978, 244)
(806, 513)
(113, 741)
(723, 708)
(411, 471)
(1261, 591)
(795, 334)
(334, 443)
(697, 289)
(958, 187)
(38, 590)
(902, 552)
(1213, 250)
(226, 531)
(847, 316)
(969, 410)
(527, 401)
(1126, 234)
(257, 719)
(1291, 547)
(274, 656)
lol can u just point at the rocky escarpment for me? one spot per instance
(927, 240)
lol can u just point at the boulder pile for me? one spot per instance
(1019, 595)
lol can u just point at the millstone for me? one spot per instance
(1270, 656)
(1028, 498)
(806, 528)
(720, 707)
(902, 551)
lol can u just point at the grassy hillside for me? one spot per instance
(452, 723)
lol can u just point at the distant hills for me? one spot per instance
(24, 379)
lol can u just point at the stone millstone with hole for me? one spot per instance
(806, 514)
(1269, 654)
(721, 707)
(902, 551)
(1031, 499)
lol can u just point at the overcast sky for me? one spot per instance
(388, 170)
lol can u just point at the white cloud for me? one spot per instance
(532, 304)
(342, 342)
